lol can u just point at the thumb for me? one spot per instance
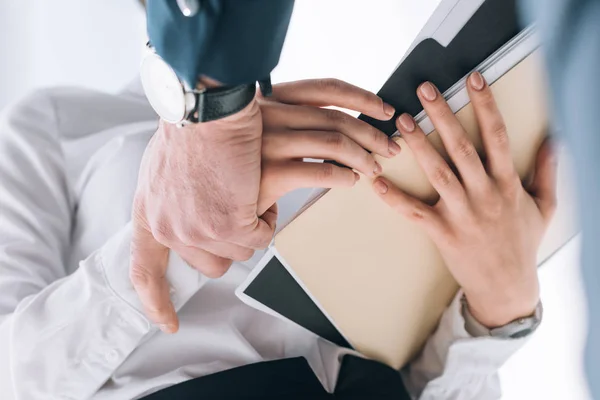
(270, 216)
(543, 187)
(266, 201)
(271, 190)
(149, 260)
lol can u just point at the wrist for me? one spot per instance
(495, 312)
(245, 123)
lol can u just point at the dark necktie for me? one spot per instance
(291, 379)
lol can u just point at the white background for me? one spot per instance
(97, 43)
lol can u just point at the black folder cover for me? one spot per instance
(492, 26)
(278, 290)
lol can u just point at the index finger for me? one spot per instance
(148, 267)
(333, 92)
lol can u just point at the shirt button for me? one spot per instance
(111, 356)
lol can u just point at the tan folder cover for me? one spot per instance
(379, 277)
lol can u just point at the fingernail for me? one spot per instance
(380, 187)
(407, 123)
(388, 109)
(356, 177)
(167, 328)
(428, 91)
(393, 148)
(378, 169)
(477, 81)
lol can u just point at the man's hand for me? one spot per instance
(295, 127)
(198, 190)
(486, 225)
(197, 195)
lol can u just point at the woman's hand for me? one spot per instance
(486, 225)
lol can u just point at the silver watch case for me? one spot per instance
(172, 99)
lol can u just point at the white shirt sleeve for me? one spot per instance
(454, 365)
(61, 336)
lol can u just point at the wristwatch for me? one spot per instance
(178, 103)
(518, 328)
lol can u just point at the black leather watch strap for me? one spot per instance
(217, 103)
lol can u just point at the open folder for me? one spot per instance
(355, 272)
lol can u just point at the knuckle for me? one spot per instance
(465, 148)
(378, 138)
(487, 190)
(512, 186)
(217, 230)
(512, 197)
(162, 232)
(444, 112)
(190, 236)
(325, 173)
(442, 175)
(417, 212)
(139, 275)
(499, 133)
(220, 224)
(369, 160)
(330, 84)
(335, 140)
(336, 117)
(494, 209)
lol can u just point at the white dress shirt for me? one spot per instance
(71, 325)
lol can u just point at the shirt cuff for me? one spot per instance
(183, 279)
(453, 362)
(471, 363)
(486, 352)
